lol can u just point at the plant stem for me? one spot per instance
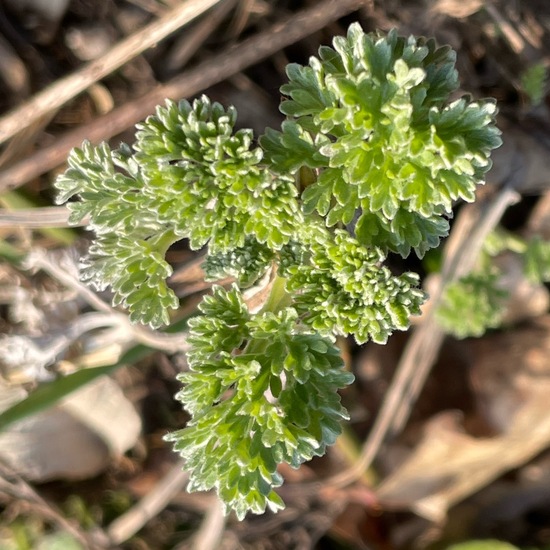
(278, 298)
(164, 241)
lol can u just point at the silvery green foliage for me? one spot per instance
(472, 305)
(188, 176)
(345, 289)
(246, 263)
(274, 401)
(369, 161)
(476, 303)
(373, 114)
(131, 237)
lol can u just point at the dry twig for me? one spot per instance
(423, 347)
(64, 89)
(215, 70)
(149, 506)
(189, 44)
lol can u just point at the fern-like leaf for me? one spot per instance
(273, 401)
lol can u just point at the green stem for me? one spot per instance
(10, 252)
(278, 298)
(517, 244)
(164, 241)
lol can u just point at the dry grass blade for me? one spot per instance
(36, 218)
(513, 37)
(217, 69)
(193, 40)
(457, 265)
(56, 95)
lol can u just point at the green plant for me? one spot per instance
(489, 544)
(533, 82)
(475, 303)
(472, 305)
(369, 161)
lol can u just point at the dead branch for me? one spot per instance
(211, 72)
(65, 89)
(127, 525)
(423, 347)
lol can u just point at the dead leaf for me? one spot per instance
(457, 8)
(449, 465)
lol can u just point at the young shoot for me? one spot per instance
(369, 161)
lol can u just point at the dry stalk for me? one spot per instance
(474, 224)
(189, 83)
(125, 526)
(65, 89)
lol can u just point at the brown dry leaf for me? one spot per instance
(506, 368)
(449, 465)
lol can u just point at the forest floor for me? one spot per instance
(457, 430)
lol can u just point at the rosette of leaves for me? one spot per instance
(370, 159)
(261, 390)
(344, 289)
(372, 117)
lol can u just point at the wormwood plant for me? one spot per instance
(369, 161)
(476, 303)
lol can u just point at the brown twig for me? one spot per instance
(65, 89)
(215, 70)
(190, 43)
(484, 221)
(149, 506)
